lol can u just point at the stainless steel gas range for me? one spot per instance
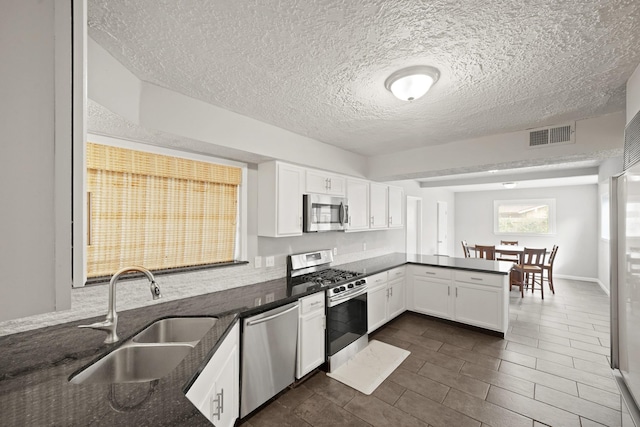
(346, 297)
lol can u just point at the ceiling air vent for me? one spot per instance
(551, 136)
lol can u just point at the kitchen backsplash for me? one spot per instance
(91, 301)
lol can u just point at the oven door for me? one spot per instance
(324, 213)
(346, 321)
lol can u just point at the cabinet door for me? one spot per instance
(216, 391)
(317, 182)
(376, 307)
(432, 296)
(311, 349)
(358, 200)
(324, 183)
(337, 185)
(396, 198)
(478, 305)
(378, 205)
(289, 200)
(396, 304)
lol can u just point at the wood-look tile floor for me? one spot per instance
(552, 368)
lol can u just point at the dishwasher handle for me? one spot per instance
(266, 319)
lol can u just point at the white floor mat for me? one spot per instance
(370, 367)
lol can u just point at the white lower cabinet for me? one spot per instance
(478, 305)
(376, 306)
(385, 297)
(216, 391)
(477, 299)
(311, 334)
(433, 297)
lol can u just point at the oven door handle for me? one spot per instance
(335, 300)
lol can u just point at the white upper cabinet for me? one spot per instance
(358, 202)
(396, 197)
(325, 183)
(280, 188)
(372, 206)
(378, 198)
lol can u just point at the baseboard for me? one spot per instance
(584, 279)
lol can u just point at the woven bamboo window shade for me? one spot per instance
(158, 211)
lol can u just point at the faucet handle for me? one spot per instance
(106, 325)
(155, 290)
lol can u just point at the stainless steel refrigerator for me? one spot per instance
(625, 278)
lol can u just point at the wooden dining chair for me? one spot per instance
(509, 257)
(465, 249)
(548, 267)
(486, 252)
(526, 271)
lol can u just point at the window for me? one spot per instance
(533, 216)
(158, 211)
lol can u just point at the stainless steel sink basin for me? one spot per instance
(151, 354)
(133, 363)
(176, 329)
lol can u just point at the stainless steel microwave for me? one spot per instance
(324, 213)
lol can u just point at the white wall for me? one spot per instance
(633, 94)
(576, 225)
(35, 118)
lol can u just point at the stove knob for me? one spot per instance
(359, 282)
(350, 285)
(342, 288)
(336, 290)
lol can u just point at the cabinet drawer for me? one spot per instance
(377, 279)
(479, 278)
(312, 303)
(436, 273)
(396, 273)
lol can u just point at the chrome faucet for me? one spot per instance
(111, 323)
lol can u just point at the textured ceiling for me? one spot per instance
(318, 68)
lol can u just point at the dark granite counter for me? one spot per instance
(386, 262)
(35, 365)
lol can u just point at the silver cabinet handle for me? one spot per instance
(448, 290)
(217, 405)
(476, 278)
(430, 272)
(456, 292)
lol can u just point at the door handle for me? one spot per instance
(266, 319)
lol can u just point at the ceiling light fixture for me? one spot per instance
(509, 185)
(412, 83)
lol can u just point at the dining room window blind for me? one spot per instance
(158, 211)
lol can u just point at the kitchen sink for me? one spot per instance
(150, 355)
(176, 329)
(134, 363)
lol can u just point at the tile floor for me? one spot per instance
(551, 369)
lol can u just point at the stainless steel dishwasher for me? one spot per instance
(269, 342)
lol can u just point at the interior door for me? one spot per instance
(442, 243)
(414, 225)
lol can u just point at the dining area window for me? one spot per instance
(527, 216)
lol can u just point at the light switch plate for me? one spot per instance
(258, 262)
(335, 251)
(269, 261)
(269, 297)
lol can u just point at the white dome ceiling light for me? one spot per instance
(412, 83)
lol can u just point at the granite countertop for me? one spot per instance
(35, 365)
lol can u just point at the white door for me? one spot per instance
(414, 225)
(442, 243)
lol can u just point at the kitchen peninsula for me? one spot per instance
(35, 365)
